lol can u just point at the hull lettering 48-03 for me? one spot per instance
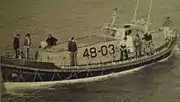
(104, 50)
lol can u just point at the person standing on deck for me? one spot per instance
(166, 26)
(114, 13)
(143, 46)
(123, 49)
(51, 40)
(148, 42)
(27, 45)
(72, 48)
(138, 46)
(16, 44)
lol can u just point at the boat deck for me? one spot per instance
(59, 55)
(158, 39)
(81, 42)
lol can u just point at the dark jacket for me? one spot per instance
(51, 41)
(16, 43)
(128, 32)
(147, 37)
(72, 47)
(26, 42)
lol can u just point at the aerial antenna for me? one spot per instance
(149, 14)
(136, 9)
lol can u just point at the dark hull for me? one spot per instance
(21, 71)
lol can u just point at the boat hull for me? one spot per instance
(43, 72)
(26, 75)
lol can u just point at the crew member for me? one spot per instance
(148, 42)
(166, 26)
(72, 48)
(128, 30)
(143, 46)
(137, 45)
(51, 40)
(27, 45)
(16, 44)
(123, 49)
(43, 45)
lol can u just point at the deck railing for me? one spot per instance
(10, 54)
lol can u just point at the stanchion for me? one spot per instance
(3, 90)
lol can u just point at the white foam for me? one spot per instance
(177, 50)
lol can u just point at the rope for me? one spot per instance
(39, 76)
(102, 72)
(21, 75)
(34, 77)
(53, 76)
(59, 75)
(87, 73)
(90, 72)
(70, 76)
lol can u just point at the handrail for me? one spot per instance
(9, 50)
(158, 49)
(68, 40)
(96, 67)
(79, 46)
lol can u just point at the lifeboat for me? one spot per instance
(97, 56)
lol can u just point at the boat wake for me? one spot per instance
(176, 69)
(11, 96)
(177, 51)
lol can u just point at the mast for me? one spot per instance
(135, 12)
(149, 14)
(114, 13)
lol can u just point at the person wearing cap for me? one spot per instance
(166, 26)
(167, 22)
(138, 46)
(124, 49)
(27, 45)
(72, 48)
(128, 30)
(148, 42)
(51, 40)
(16, 44)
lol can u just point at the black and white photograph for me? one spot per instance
(90, 50)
